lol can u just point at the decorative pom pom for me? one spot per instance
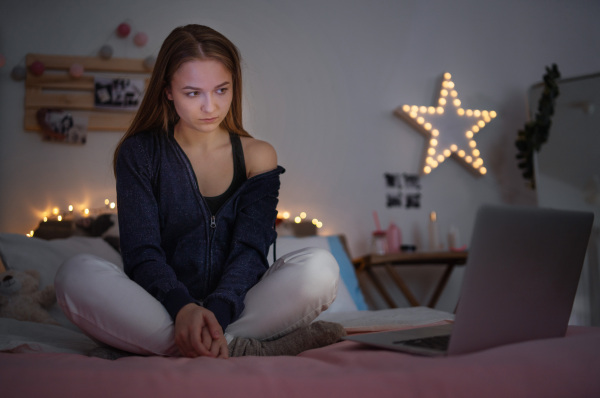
(140, 39)
(106, 52)
(149, 62)
(19, 73)
(123, 30)
(76, 70)
(37, 68)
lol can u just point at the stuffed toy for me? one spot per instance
(20, 298)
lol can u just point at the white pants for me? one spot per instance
(100, 299)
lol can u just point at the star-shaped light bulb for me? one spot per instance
(449, 127)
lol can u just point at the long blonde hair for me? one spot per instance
(184, 44)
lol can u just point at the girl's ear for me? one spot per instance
(169, 93)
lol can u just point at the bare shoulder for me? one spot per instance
(260, 156)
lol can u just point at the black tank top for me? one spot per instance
(239, 175)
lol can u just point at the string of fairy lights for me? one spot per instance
(70, 213)
(301, 217)
(59, 215)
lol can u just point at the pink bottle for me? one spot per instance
(394, 238)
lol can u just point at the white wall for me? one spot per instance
(322, 79)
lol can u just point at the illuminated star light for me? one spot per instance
(449, 128)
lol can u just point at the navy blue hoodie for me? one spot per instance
(170, 242)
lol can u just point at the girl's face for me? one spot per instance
(201, 91)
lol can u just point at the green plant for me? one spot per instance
(535, 133)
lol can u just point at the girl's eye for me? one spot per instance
(222, 90)
(193, 94)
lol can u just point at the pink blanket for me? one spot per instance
(567, 367)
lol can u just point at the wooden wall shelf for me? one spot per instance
(56, 89)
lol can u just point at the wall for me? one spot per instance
(321, 81)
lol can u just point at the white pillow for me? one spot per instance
(22, 253)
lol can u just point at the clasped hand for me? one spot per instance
(198, 333)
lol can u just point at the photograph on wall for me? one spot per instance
(403, 190)
(62, 126)
(120, 93)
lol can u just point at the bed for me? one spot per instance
(59, 360)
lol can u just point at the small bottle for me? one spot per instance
(394, 238)
(453, 238)
(379, 243)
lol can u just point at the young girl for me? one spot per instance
(197, 199)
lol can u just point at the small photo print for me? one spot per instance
(62, 126)
(121, 93)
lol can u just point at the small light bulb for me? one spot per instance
(469, 134)
(286, 215)
(477, 113)
(303, 215)
(59, 218)
(435, 132)
(420, 120)
(461, 153)
(481, 123)
(453, 147)
(433, 142)
(444, 93)
(442, 101)
(431, 151)
(483, 170)
(492, 114)
(112, 205)
(447, 76)
(461, 112)
(427, 126)
(469, 112)
(423, 109)
(319, 224)
(439, 110)
(457, 102)
(447, 152)
(106, 201)
(86, 211)
(431, 110)
(453, 93)
(426, 169)
(440, 158)
(406, 108)
(71, 208)
(297, 220)
(55, 211)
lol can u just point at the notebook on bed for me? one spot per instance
(520, 281)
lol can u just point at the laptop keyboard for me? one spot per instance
(439, 343)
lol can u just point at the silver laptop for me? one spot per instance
(520, 281)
